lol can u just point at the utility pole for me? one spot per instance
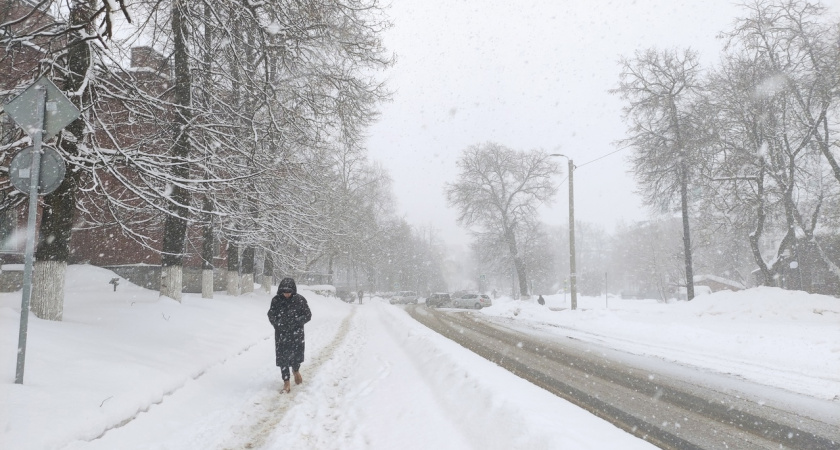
(572, 270)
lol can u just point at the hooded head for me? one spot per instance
(285, 285)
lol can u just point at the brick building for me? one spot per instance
(97, 238)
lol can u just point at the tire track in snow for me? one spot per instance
(630, 400)
(272, 406)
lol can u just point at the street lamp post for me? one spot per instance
(572, 270)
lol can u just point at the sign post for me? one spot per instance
(42, 111)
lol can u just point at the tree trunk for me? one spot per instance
(248, 256)
(59, 207)
(175, 227)
(171, 280)
(755, 236)
(51, 280)
(53, 249)
(233, 277)
(246, 283)
(689, 269)
(518, 264)
(233, 280)
(268, 272)
(259, 264)
(207, 283)
(207, 252)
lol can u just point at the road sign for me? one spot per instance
(51, 174)
(58, 111)
(42, 111)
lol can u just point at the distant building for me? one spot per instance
(715, 283)
(806, 269)
(108, 245)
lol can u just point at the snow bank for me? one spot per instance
(472, 390)
(113, 355)
(785, 339)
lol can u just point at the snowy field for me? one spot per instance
(128, 369)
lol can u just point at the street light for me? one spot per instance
(573, 272)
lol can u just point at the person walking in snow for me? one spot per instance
(541, 300)
(361, 296)
(287, 314)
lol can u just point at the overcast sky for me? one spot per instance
(525, 74)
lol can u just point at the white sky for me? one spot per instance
(527, 75)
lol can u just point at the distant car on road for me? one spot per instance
(437, 300)
(404, 298)
(476, 301)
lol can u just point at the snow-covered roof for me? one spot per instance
(720, 280)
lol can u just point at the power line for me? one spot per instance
(600, 157)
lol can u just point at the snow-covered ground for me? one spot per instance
(128, 369)
(785, 339)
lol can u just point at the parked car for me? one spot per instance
(476, 301)
(438, 299)
(404, 297)
(457, 294)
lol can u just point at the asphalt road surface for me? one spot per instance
(668, 410)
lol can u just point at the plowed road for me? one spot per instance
(647, 400)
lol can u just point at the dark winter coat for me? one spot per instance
(287, 316)
(541, 301)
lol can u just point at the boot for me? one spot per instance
(287, 387)
(298, 378)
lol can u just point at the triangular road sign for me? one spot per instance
(59, 111)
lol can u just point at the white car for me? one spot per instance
(404, 297)
(476, 301)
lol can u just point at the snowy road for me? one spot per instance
(636, 396)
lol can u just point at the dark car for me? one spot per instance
(345, 295)
(438, 299)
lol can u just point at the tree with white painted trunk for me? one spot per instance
(67, 52)
(151, 159)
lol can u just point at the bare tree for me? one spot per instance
(771, 103)
(499, 189)
(660, 87)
